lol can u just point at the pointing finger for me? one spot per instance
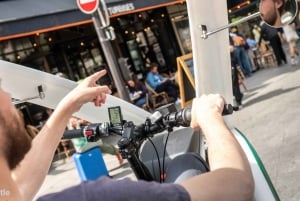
(96, 76)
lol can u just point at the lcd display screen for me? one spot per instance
(115, 116)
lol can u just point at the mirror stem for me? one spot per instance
(205, 34)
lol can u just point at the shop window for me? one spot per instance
(182, 32)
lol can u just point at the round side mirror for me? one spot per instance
(278, 13)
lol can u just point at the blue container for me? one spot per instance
(90, 164)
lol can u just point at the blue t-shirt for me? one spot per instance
(154, 79)
(107, 189)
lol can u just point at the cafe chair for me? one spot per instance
(147, 105)
(267, 55)
(65, 148)
(157, 99)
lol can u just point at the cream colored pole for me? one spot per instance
(211, 56)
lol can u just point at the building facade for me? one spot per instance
(146, 31)
(55, 36)
(64, 40)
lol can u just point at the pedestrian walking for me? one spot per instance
(291, 38)
(272, 35)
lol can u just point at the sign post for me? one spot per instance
(101, 22)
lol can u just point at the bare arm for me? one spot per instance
(31, 173)
(230, 177)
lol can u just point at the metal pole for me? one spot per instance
(205, 34)
(110, 57)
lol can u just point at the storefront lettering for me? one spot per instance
(120, 8)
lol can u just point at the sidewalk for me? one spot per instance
(270, 120)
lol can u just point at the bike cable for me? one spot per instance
(164, 154)
(158, 159)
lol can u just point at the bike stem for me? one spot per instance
(129, 151)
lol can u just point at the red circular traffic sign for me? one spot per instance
(88, 6)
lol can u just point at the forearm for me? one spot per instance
(230, 177)
(32, 171)
(223, 149)
(224, 184)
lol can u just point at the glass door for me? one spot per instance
(182, 32)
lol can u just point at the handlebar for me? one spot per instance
(184, 116)
(92, 132)
(133, 136)
(69, 134)
(160, 120)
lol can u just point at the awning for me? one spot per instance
(24, 17)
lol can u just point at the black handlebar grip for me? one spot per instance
(228, 109)
(69, 134)
(187, 113)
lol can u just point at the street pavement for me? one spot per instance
(269, 119)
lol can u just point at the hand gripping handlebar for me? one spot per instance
(156, 123)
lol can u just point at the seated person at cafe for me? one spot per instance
(137, 92)
(160, 83)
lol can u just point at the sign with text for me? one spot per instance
(121, 8)
(88, 6)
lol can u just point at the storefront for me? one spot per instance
(239, 9)
(144, 29)
(55, 36)
(53, 42)
(148, 37)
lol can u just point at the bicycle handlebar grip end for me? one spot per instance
(228, 109)
(187, 115)
(69, 134)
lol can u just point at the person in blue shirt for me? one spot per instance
(160, 83)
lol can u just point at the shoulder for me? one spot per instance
(111, 189)
(147, 191)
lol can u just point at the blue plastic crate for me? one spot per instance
(90, 165)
